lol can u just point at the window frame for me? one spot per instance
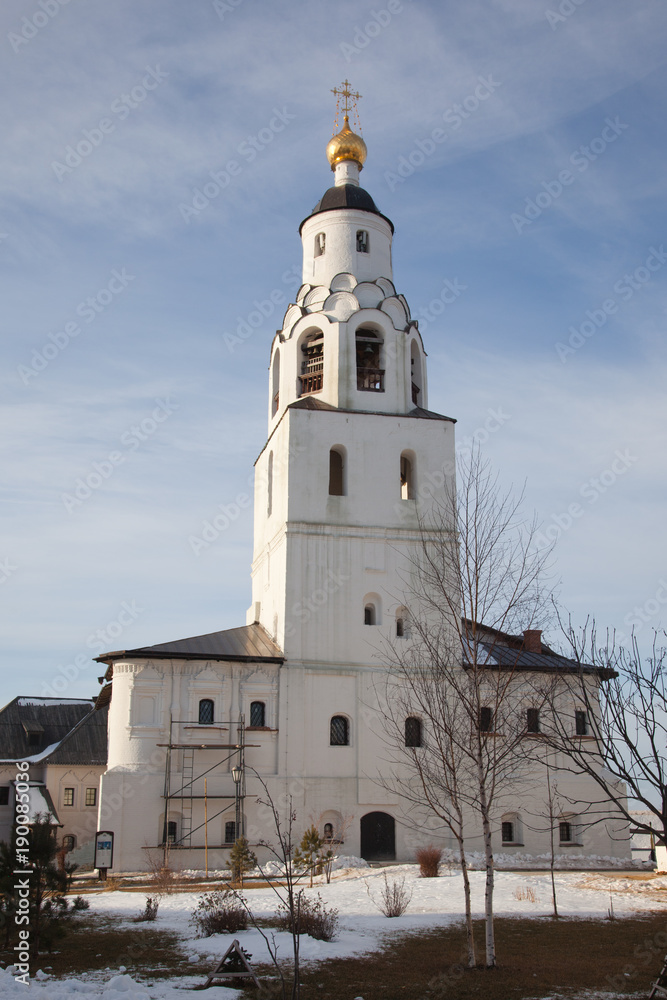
(503, 828)
(415, 740)
(334, 721)
(200, 712)
(91, 793)
(485, 715)
(533, 721)
(581, 722)
(262, 724)
(230, 826)
(570, 839)
(68, 797)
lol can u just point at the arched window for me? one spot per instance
(339, 731)
(69, 843)
(336, 473)
(206, 712)
(402, 627)
(311, 378)
(416, 374)
(257, 713)
(362, 241)
(372, 605)
(370, 376)
(413, 732)
(275, 384)
(320, 244)
(407, 476)
(269, 486)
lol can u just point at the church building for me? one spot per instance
(292, 696)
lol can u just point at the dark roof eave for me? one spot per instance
(147, 654)
(604, 673)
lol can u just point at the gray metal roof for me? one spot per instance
(68, 728)
(247, 643)
(313, 403)
(346, 196)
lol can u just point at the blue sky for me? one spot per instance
(542, 202)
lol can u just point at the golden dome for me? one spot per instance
(346, 145)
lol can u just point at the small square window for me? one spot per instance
(91, 796)
(68, 796)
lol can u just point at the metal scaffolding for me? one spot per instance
(191, 783)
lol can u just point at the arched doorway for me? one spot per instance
(378, 837)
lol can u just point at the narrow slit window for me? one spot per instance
(336, 470)
(407, 479)
(362, 241)
(320, 244)
(369, 614)
(275, 384)
(400, 628)
(581, 723)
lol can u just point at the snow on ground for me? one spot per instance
(434, 902)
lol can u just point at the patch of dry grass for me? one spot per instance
(535, 959)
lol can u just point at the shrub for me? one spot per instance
(79, 903)
(394, 897)
(314, 919)
(150, 910)
(428, 859)
(219, 912)
(241, 859)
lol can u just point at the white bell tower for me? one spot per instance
(353, 456)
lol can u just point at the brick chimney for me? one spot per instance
(532, 640)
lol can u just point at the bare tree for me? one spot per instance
(613, 732)
(477, 575)
(417, 705)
